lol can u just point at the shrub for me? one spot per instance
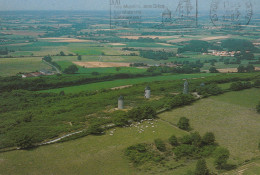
(221, 157)
(258, 108)
(186, 140)
(148, 112)
(95, 73)
(257, 83)
(237, 86)
(72, 69)
(208, 138)
(207, 150)
(120, 118)
(185, 150)
(160, 145)
(201, 168)
(211, 89)
(139, 113)
(179, 100)
(24, 141)
(95, 129)
(173, 140)
(142, 153)
(184, 123)
(196, 139)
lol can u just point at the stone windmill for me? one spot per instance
(147, 93)
(186, 87)
(121, 102)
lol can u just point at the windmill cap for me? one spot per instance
(147, 88)
(121, 98)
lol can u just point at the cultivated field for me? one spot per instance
(227, 70)
(101, 64)
(12, 66)
(65, 40)
(147, 36)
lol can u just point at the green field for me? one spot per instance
(111, 70)
(232, 117)
(108, 70)
(123, 59)
(89, 155)
(12, 66)
(149, 45)
(117, 83)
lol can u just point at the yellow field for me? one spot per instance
(101, 64)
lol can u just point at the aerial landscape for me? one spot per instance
(124, 87)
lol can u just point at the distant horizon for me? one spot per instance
(100, 5)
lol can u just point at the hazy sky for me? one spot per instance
(87, 4)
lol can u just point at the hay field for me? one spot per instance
(65, 40)
(101, 64)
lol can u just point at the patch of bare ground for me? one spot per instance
(121, 87)
(101, 64)
(117, 44)
(67, 40)
(147, 36)
(228, 70)
(215, 38)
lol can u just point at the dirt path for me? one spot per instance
(242, 169)
(121, 87)
(57, 70)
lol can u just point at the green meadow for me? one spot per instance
(232, 117)
(12, 66)
(89, 155)
(122, 82)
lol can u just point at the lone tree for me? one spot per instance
(213, 70)
(72, 69)
(79, 57)
(184, 123)
(62, 53)
(250, 68)
(221, 157)
(201, 168)
(241, 69)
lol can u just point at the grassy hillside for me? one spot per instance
(232, 117)
(89, 155)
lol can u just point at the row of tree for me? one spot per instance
(156, 55)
